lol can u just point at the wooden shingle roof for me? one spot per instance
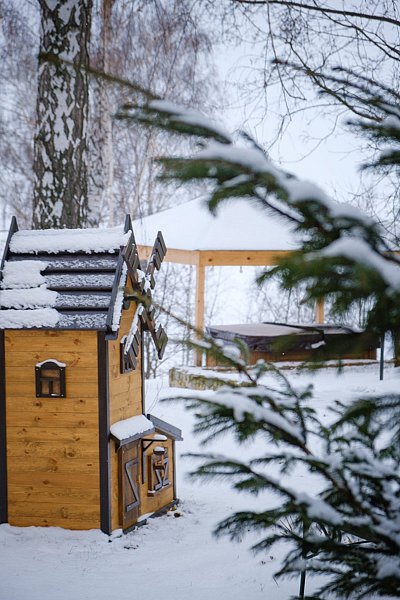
(63, 279)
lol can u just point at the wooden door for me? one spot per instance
(129, 478)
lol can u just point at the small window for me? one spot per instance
(50, 379)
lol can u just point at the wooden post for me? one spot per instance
(382, 357)
(320, 311)
(199, 308)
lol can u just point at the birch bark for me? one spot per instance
(60, 154)
(101, 163)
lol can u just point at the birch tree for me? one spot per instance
(101, 163)
(60, 158)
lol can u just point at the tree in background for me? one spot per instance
(18, 55)
(156, 43)
(267, 303)
(60, 150)
(162, 46)
(100, 141)
(328, 47)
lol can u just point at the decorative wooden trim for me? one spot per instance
(128, 361)
(50, 365)
(13, 229)
(166, 428)
(143, 386)
(159, 471)
(128, 224)
(174, 467)
(104, 434)
(3, 436)
(117, 277)
(129, 486)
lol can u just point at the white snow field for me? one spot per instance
(175, 556)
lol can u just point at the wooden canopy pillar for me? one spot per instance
(320, 311)
(199, 306)
(201, 259)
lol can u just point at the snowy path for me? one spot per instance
(175, 558)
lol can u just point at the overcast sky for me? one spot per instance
(332, 163)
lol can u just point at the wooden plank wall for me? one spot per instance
(52, 443)
(125, 391)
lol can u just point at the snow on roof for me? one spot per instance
(62, 289)
(38, 317)
(119, 299)
(25, 297)
(258, 329)
(23, 274)
(134, 426)
(239, 225)
(69, 240)
(28, 298)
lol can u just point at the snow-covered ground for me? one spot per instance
(174, 557)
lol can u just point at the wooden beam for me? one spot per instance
(220, 258)
(173, 255)
(251, 258)
(320, 311)
(199, 305)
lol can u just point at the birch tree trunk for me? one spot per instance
(101, 163)
(60, 156)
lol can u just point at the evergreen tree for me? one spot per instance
(349, 529)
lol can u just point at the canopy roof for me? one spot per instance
(239, 225)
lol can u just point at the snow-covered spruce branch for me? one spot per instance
(351, 527)
(342, 252)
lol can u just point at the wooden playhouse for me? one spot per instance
(76, 447)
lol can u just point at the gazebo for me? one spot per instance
(240, 235)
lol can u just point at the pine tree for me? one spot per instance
(349, 530)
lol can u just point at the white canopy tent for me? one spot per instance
(241, 234)
(238, 226)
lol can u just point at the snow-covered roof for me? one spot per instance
(239, 225)
(64, 279)
(132, 428)
(73, 241)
